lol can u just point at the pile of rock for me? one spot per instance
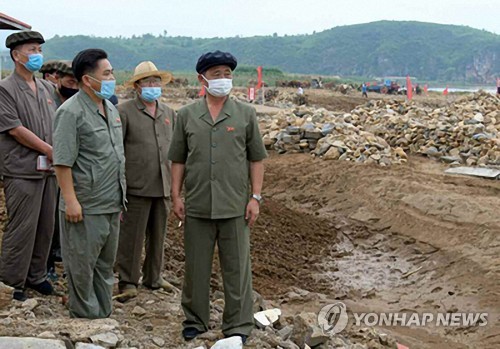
(5, 295)
(466, 132)
(74, 333)
(302, 331)
(328, 135)
(383, 132)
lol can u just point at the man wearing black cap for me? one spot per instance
(26, 116)
(215, 148)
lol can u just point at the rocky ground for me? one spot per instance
(403, 238)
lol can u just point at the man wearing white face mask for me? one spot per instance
(215, 149)
(147, 132)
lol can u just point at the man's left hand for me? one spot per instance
(252, 212)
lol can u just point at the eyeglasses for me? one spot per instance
(150, 82)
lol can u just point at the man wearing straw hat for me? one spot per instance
(147, 131)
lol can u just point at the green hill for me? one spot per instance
(386, 48)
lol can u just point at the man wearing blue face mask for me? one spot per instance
(90, 167)
(216, 151)
(147, 131)
(26, 115)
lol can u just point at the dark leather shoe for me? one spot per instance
(243, 336)
(43, 287)
(19, 295)
(190, 333)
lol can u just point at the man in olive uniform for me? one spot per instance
(147, 132)
(66, 83)
(49, 71)
(90, 169)
(26, 117)
(217, 147)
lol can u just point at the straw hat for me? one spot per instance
(147, 69)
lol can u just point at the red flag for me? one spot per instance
(202, 91)
(445, 91)
(409, 88)
(259, 77)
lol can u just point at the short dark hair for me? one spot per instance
(86, 61)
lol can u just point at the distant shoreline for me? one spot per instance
(464, 89)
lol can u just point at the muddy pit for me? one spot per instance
(405, 239)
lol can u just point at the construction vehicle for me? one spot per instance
(385, 86)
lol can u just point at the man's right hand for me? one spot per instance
(74, 212)
(49, 153)
(179, 208)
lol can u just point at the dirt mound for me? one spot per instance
(286, 247)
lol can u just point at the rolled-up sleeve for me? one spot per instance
(9, 117)
(178, 147)
(66, 143)
(256, 151)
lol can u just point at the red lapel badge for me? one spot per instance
(229, 129)
(167, 121)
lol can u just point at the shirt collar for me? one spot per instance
(203, 113)
(23, 85)
(202, 107)
(91, 104)
(141, 106)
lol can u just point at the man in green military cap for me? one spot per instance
(66, 87)
(90, 168)
(66, 83)
(49, 71)
(26, 116)
(215, 149)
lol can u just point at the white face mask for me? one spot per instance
(219, 87)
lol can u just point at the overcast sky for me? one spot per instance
(211, 18)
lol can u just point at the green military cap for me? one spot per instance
(49, 66)
(23, 37)
(65, 67)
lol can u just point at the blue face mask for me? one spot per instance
(151, 94)
(34, 63)
(107, 88)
